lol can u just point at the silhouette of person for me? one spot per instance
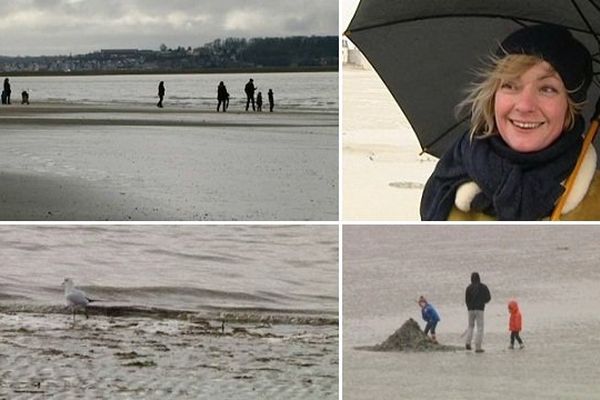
(6, 92)
(259, 101)
(24, 97)
(249, 89)
(222, 96)
(161, 93)
(271, 100)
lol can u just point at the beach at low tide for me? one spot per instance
(550, 270)
(47, 356)
(182, 312)
(65, 161)
(383, 170)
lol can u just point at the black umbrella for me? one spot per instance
(426, 51)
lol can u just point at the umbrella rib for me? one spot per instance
(591, 30)
(594, 5)
(585, 20)
(442, 135)
(349, 32)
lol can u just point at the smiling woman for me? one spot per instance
(532, 108)
(525, 138)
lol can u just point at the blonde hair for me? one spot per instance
(481, 95)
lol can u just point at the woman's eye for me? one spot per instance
(509, 86)
(549, 90)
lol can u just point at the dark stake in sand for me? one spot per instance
(409, 337)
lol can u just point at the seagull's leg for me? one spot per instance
(86, 313)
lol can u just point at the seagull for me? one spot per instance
(76, 298)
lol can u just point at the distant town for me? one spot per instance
(289, 53)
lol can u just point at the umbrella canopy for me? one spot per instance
(427, 51)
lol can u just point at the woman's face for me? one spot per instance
(530, 111)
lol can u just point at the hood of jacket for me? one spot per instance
(475, 278)
(513, 306)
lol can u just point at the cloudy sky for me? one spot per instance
(50, 27)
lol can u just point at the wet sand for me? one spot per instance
(46, 356)
(551, 270)
(103, 162)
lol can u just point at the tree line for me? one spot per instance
(229, 53)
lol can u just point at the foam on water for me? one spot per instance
(250, 272)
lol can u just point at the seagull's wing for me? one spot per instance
(77, 298)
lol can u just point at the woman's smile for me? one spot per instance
(526, 125)
(530, 111)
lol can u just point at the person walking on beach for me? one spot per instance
(515, 324)
(6, 92)
(271, 100)
(477, 296)
(222, 96)
(259, 101)
(430, 316)
(249, 89)
(161, 93)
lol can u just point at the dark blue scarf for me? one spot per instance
(515, 186)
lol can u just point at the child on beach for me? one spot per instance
(514, 324)
(271, 101)
(430, 316)
(259, 101)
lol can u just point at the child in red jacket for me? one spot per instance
(514, 324)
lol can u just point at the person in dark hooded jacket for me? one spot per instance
(477, 296)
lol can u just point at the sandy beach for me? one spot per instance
(47, 356)
(383, 173)
(63, 161)
(180, 312)
(550, 270)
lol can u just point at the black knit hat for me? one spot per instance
(559, 48)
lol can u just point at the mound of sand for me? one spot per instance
(409, 337)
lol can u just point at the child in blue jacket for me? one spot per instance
(430, 316)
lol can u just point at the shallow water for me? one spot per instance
(248, 270)
(551, 270)
(293, 91)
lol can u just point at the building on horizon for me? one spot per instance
(351, 56)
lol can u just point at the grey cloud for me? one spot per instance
(63, 26)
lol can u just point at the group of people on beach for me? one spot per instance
(6, 91)
(223, 97)
(477, 295)
(249, 89)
